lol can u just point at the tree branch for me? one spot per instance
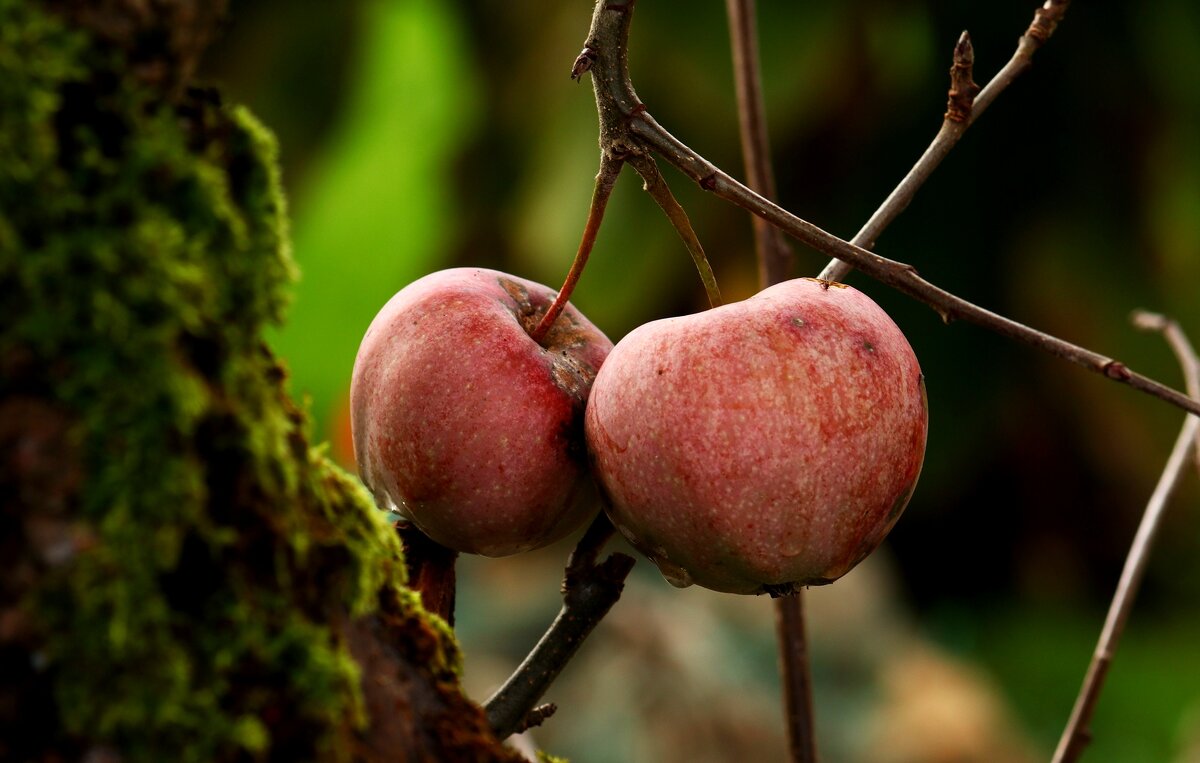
(1077, 734)
(627, 128)
(1183, 351)
(774, 265)
(963, 109)
(589, 591)
(774, 255)
(957, 119)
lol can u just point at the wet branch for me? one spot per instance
(1077, 733)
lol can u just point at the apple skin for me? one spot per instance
(763, 445)
(464, 424)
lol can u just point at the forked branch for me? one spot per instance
(966, 103)
(627, 127)
(590, 588)
(1077, 734)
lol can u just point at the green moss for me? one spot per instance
(143, 250)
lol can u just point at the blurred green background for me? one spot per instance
(418, 135)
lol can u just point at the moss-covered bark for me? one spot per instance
(185, 578)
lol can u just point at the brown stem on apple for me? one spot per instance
(589, 590)
(430, 568)
(774, 265)
(626, 127)
(963, 109)
(1077, 734)
(656, 185)
(606, 178)
(774, 254)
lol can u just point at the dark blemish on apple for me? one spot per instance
(798, 322)
(572, 435)
(518, 292)
(660, 371)
(868, 346)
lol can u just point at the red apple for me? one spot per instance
(466, 425)
(762, 445)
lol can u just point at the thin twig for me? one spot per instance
(774, 255)
(589, 591)
(606, 178)
(1077, 733)
(963, 109)
(657, 187)
(774, 265)
(1182, 348)
(959, 109)
(797, 676)
(626, 125)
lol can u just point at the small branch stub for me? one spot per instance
(583, 62)
(536, 717)
(1046, 18)
(962, 83)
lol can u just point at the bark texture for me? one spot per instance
(185, 577)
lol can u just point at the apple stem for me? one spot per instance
(431, 572)
(606, 178)
(589, 591)
(658, 189)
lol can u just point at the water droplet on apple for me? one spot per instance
(386, 501)
(673, 573)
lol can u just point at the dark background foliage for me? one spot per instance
(418, 135)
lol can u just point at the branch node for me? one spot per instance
(536, 717)
(1045, 20)
(583, 62)
(1115, 369)
(962, 83)
(709, 183)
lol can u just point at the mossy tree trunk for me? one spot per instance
(185, 577)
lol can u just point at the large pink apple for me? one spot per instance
(466, 425)
(762, 445)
